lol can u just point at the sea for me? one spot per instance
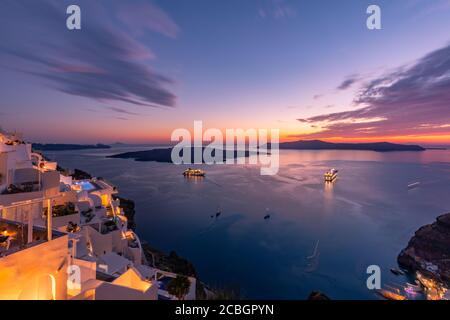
(283, 236)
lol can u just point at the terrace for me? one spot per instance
(62, 210)
(94, 184)
(31, 186)
(65, 217)
(96, 187)
(85, 185)
(28, 180)
(14, 237)
(87, 214)
(108, 225)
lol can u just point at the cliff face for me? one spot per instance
(429, 250)
(80, 175)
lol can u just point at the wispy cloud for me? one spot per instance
(348, 82)
(411, 100)
(426, 7)
(123, 111)
(277, 9)
(100, 62)
(146, 16)
(317, 96)
(121, 118)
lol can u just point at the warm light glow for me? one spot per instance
(412, 139)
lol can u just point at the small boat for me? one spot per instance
(413, 185)
(193, 173)
(218, 212)
(330, 175)
(267, 216)
(397, 272)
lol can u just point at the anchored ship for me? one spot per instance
(194, 173)
(330, 175)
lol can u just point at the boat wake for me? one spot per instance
(212, 181)
(315, 252)
(313, 260)
(413, 185)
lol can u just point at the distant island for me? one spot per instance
(436, 148)
(64, 147)
(163, 155)
(322, 145)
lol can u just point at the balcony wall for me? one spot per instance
(31, 273)
(50, 183)
(81, 281)
(60, 223)
(26, 175)
(8, 199)
(3, 170)
(101, 243)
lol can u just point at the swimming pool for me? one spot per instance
(86, 185)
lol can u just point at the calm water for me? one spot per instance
(366, 217)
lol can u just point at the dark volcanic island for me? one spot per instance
(165, 155)
(429, 251)
(66, 147)
(373, 146)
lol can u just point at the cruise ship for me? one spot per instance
(67, 239)
(330, 175)
(193, 173)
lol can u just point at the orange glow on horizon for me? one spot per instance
(415, 139)
(161, 134)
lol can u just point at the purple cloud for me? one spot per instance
(412, 100)
(347, 83)
(121, 118)
(123, 111)
(317, 96)
(100, 61)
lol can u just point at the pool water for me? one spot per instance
(86, 185)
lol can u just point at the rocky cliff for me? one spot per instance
(428, 251)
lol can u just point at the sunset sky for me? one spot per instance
(140, 69)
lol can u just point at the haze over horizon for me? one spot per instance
(137, 71)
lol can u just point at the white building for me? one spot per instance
(66, 239)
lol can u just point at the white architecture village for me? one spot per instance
(62, 238)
